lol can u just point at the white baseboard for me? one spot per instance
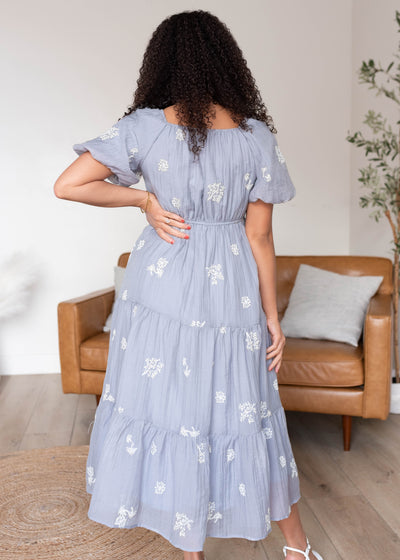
(29, 364)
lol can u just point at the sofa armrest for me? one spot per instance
(79, 319)
(377, 357)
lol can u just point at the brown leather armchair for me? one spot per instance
(315, 376)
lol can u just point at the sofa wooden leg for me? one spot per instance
(98, 399)
(346, 424)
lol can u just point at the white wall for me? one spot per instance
(374, 36)
(71, 70)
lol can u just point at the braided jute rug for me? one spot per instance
(43, 513)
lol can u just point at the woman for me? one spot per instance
(190, 437)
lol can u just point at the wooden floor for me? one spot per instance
(350, 505)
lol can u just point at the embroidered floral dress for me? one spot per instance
(190, 437)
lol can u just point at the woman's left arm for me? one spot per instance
(259, 233)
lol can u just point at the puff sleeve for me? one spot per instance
(118, 149)
(273, 183)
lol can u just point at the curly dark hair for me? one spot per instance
(191, 61)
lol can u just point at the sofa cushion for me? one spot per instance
(322, 363)
(94, 352)
(327, 305)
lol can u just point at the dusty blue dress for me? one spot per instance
(190, 437)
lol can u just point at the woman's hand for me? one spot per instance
(157, 217)
(278, 342)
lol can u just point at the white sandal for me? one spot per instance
(304, 552)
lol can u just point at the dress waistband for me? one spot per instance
(209, 223)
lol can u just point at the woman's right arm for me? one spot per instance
(83, 181)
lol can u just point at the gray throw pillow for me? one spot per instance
(328, 305)
(119, 272)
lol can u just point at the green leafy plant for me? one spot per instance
(381, 177)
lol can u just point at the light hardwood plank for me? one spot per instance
(234, 549)
(55, 411)
(11, 434)
(18, 398)
(373, 465)
(319, 475)
(41, 441)
(355, 528)
(87, 402)
(82, 427)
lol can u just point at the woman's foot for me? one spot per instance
(294, 534)
(297, 556)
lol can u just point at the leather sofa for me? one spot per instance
(315, 375)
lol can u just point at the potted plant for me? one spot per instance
(382, 175)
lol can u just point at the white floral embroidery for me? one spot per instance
(279, 154)
(140, 244)
(123, 515)
(282, 461)
(202, 451)
(267, 432)
(123, 343)
(133, 152)
(159, 270)
(235, 248)
(152, 367)
(197, 323)
(222, 330)
(110, 133)
(212, 514)
(153, 448)
(124, 294)
(275, 384)
(131, 449)
(268, 519)
(182, 522)
(266, 175)
(113, 334)
(180, 134)
(90, 475)
(242, 489)
(246, 301)
(247, 411)
(248, 183)
(215, 192)
(193, 432)
(107, 396)
(160, 486)
(294, 468)
(220, 397)
(186, 371)
(176, 202)
(162, 165)
(252, 340)
(134, 310)
(264, 411)
(120, 410)
(214, 272)
(230, 454)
